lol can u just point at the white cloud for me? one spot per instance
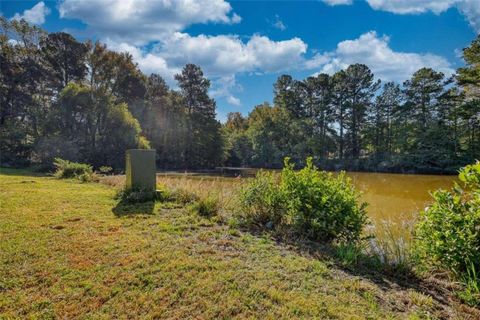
(147, 62)
(337, 2)
(223, 88)
(224, 55)
(386, 64)
(36, 15)
(469, 8)
(279, 23)
(316, 61)
(142, 21)
(236, 18)
(412, 6)
(221, 57)
(233, 100)
(152, 32)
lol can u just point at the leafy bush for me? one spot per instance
(135, 195)
(316, 204)
(448, 232)
(262, 201)
(73, 170)
(322, 206)
(206, 207)
(105, 169)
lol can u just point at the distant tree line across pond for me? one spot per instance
(83, 102)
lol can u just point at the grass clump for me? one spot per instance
(312, 203)
(262, 201)
(447, 235)
(178, 195)
(206, 207)
(73, 170)
(135, 195)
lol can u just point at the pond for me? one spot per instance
(394, 199)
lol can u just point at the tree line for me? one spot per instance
(349, 120)
(83, 102)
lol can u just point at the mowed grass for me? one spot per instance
(67, 250)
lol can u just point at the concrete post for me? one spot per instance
(141, 169)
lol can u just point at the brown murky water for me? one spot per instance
(394, 199)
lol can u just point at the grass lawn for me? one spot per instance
(68, 250)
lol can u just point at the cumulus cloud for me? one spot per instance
(35, 15)
(469, 8)
(221, 57)
(337, 2)
(152, 32)
(142, 21)
(412, 6)
(385, 63)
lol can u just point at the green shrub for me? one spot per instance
(322, 206)
(315, 204)
(135, 195)
(261, 200)
(73, 170)
(105, 169)
(447, 235)
(206, 207)
(448, 232)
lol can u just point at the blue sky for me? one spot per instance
(243, 46)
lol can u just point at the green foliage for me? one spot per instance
(322, 206)
(203, 146)
(206, 207)
(178, 195)
(448, 232)
(349, 254)
(105, 169)
(135, 195)
(62, 98)
(262, 201)
(313, 203)
(73, 170)
(471, 292)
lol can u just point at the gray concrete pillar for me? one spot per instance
(141, 169)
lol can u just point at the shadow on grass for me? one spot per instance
(124, 208)
(21, 172)
(386, 277)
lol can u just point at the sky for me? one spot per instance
(243, 46)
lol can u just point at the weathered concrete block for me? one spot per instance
(141, 169)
